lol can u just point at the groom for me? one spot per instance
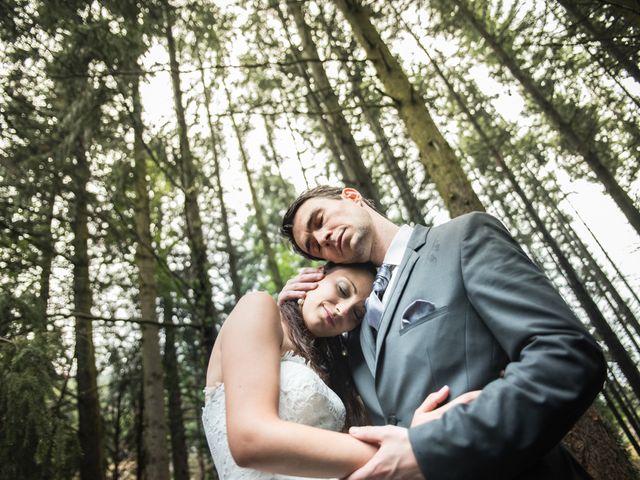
(464, 307)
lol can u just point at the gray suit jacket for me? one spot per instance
(488, 309)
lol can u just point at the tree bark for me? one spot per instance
(117, 432)
(139, 428)
(206, 311)
(154, 420)
(582, 144)
(603, 460)
(179, 452)
(435, 153)
(92, 461)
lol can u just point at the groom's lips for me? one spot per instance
(340, 241)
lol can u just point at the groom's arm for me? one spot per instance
(556, 368)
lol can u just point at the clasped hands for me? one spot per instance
(395, 458)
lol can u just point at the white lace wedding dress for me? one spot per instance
(304, 398)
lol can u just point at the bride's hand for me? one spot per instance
(429, 409)
(298, 286)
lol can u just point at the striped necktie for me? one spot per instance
(380, 284)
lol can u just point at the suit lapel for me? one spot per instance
(367, 345)
(417, 240)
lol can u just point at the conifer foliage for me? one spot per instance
(148, 149)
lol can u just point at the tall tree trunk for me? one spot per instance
(232, 255)
(179, 450)
(582, 144)
(582, 19)
(155, 424)
(602, 282)
(631, 402)
(435, 153)
(613, 264)
(618, 416)
(139, 428)
(315, 105)
(629, 413)
(608, 460)
(272, 263)
(355, 169)
(47, 252)
(117, 432)
(298, 155)
(272, 154)
(372, 115)
(199, 262)
(92, 461)
(613, 408)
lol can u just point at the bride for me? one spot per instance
(279, 394)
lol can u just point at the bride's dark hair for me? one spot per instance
(327, 355)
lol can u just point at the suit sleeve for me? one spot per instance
(555, 371)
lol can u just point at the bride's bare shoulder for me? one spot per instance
(258, 298)
(255, 307)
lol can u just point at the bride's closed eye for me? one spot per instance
(343, 289)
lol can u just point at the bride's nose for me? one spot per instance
(343, 308)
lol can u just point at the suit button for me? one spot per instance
(392, 420)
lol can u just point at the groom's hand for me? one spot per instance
(298, 286)
(429, 409)
(394, 459)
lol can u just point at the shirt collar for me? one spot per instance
(398, 245)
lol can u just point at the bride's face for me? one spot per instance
(337, 304)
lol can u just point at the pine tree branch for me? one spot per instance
(153, 71)
(137, 320)
(6, 340)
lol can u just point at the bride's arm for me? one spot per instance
(258, 438)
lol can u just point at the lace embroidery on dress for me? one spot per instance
(211, 390)
(304, 398)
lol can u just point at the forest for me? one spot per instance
(150, 147)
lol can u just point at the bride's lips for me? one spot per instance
(329, 317)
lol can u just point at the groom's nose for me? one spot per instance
(323, 237)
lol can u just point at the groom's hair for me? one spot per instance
(321, 191)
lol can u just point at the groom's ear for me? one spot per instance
(352, 194)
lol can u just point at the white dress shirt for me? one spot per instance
(394, 256)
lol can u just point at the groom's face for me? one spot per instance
(338, 230)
